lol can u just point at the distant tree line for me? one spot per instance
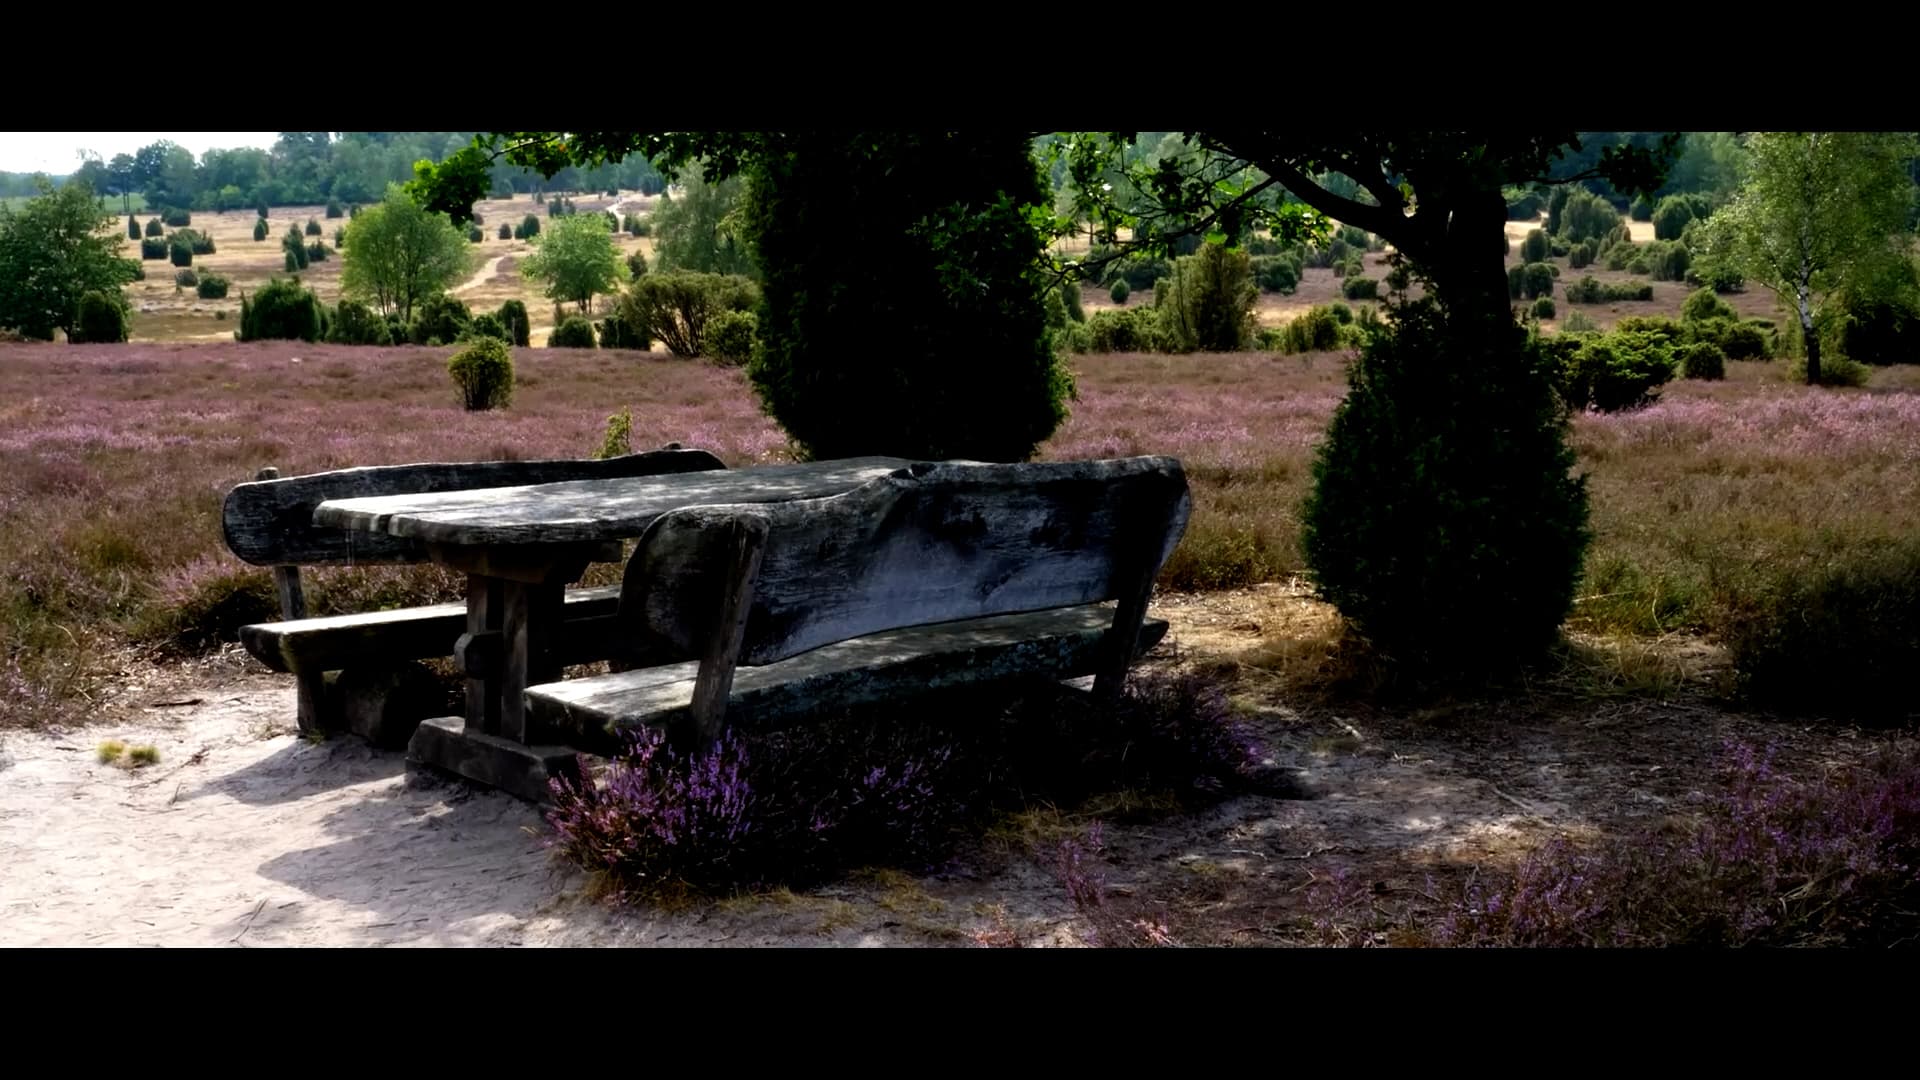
(304, 168)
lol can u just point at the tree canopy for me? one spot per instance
(703, 228)
(399, 253)
(577, 259)
(1820, 212)
(54, 250)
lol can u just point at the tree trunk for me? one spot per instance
(1810, 338)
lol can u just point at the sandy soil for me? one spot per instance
(245, 834)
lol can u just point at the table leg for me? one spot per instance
(530, 624)
(486, 608)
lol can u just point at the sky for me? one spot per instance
(58, 152)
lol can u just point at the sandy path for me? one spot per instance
(487, 271)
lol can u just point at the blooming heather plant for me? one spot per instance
(1774, 861)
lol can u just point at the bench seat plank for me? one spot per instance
(1060, 643)
(335, 641)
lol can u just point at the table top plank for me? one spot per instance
(588, 510)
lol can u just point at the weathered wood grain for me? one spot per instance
(335, 641)
(583, 511)
(1058, 644)
(929, 544)
(456, 746)
(740, 557)
(286, 579)
(271, 522)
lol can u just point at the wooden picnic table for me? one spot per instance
(521, 546)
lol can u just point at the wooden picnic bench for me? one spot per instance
(933, 577)
(270, 523)
(519, 547)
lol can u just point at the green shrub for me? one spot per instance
(1580, 255)
(1133, 330)
(151, 248)
(1071, 300)
(154, 228)
(1659, 326)
(529, 227)
(1618, 371)
(440, 318)
(1746, 341)
(1586, 216)
(176, 218)
(1341, 313)
(573, 333)
(617, 332)
(296, 249)
(1703, 304)
(1642, 209)
(185, 279)
(1537, 280)
(487, 325)
(1878, 331)
(1120, 291)
(282, 310)
(1664, 261)
(1832, 636)
(1534, 248)
(1317, 329)
(355, 323)
(1835, 370)
(180, 251)
(101, 318)
(1717, 276)
(317, 251)
(731, 335)
(200, 242)
(513, 316)
(139, 271)
(292, 263)
(259, 229)
(1543, 308)
(1701, 360)
(335, 210)
(1360, 288)
(1670, 218)
(1276, 273)
(483, 372)
(1445, 520)
(677, 307)
(1524, 205)
(133, 227)
(260, 208)
(1207, 303)
(1588, 290)
(313, 227)
(474, 235)
(505, 231)
(1577, 322)
(1139, 272)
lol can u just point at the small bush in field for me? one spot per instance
(101, 318)
(1120, 291)
(1618, 371)
(616, 332)
(259, 229)
(487, 325)
(513, 316)
(1132, 330)
(529, 227)
(1834, 371)
(1580, 255)
(151, 248)
(176, 219)
(1641, 210)
(185, 279)
(1360, 288)
(155, 228)
(313, 227)
(180, 252)
(731, 334)
(505, 232)
(334, 209)
(291, 263)
(483, 371)
(618, 440)
(440, 318)
(133, 227)
(282, 310)
(1543, 308)
(260, 209)
(1534, 249)
(573, 333)
(1701, 360)
(1318, 329)
(317, 252)
(1536, 280)
(474, 235)
(1704, 304)
(1589, 290)
(355, 323)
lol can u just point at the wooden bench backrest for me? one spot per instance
(928, 544)
(270, 522)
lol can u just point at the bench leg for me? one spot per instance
(485, 606)
(310, 689)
